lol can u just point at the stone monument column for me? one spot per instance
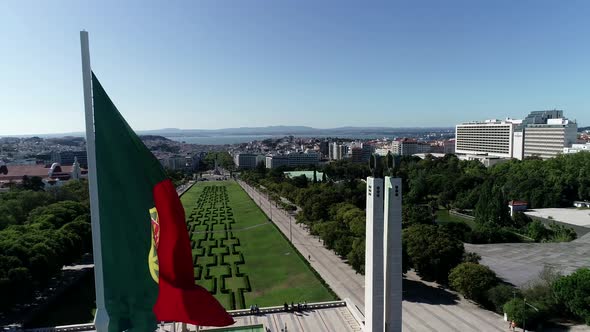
(392, 245)
(374, 282)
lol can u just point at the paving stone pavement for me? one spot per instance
(521, 263)
(426, 306)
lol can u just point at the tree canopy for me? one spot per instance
(39, 233)
(432, 252)
(574, 292)
(472, 280)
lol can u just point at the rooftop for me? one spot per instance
(16, 172)
(572, 216)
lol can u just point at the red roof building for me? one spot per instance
(50, 174)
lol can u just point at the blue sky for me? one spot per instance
(218, 64)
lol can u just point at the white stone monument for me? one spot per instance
(392, 244)
(374, 281)
(383, 253)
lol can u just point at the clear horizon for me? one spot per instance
(212, 65)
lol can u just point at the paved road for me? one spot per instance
(426, 306)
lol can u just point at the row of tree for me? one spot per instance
(39, 233)
(429, 184)
(223, 158)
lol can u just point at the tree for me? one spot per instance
(518, 311)
(315, 176)
(500, 295)
(33, 183)
(471, 257)
(492, 208)
(324, 177)
(416, 214)
(431, 251)
(261, 168)
(489, 233)
(538, 231)
(356, 257)
(300, 181)
(574, 292)
(458, 230)
(521, 219)
(58, 214)
(472, 280)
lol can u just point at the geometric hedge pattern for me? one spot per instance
(216, 250)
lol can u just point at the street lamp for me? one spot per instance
(524, 314)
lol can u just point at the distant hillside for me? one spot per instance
(153, 138)
(67, 140)
(583, 129)
(293, 130)
(274, 131)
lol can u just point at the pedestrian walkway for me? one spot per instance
(426, 306)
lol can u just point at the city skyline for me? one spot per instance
(209, 65)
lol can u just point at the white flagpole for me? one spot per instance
(101, 319)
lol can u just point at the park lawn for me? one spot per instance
(277, 273)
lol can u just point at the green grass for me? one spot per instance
(276, 272)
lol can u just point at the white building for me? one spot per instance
(491, 137)
(337, 151)
(383, 151)
(303, 158)
(486, 160)
(293, 159)
(575, 148)
(248, 160)
(409, 146)
(174, 163)
(276, 161)
(549, 140)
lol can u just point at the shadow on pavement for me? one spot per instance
(416, 291)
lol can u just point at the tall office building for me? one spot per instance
(542, 133)
(356, 154)
(338, 151)
(276, 161)
(324, 148)
(248, 160)
(490, 137)
(368, 150)
(306, 158)
(549, 139)
(293, 159)
(409, 146)
(541, 117)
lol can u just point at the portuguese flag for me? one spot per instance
(146, 253)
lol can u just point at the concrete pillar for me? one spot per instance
(392, 244)
(374, 282)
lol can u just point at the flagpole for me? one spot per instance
(101, 318)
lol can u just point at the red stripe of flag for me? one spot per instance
(179, 299)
